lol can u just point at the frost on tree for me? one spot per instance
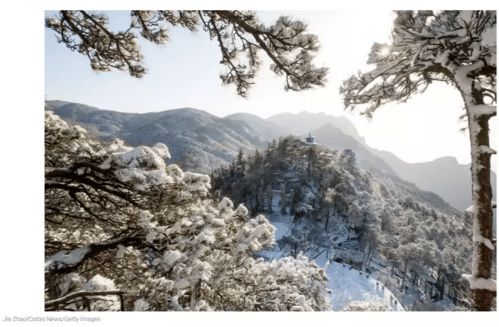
(240, 36)
(126, 231)
(457, 48)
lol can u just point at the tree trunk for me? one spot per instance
(367, 257)
(478, 124)
(415, 278)
(482, 213)
(269, 200)
(402, 284)
(327, 221)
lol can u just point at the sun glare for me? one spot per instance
(384, 51)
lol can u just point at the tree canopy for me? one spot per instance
(458, 48)
(427, 47)
(125, 230)
(240, 36)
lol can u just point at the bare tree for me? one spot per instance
(239, 34)
(457, 48)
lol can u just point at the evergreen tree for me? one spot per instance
(124, 230)
(240, 36)
(458, 48)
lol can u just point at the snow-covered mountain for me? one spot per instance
(200, 142)
(264, 128)
(324, 205)
(197, 140)
(443, 176)
(351, 289)
(334, 138)
(348, 195)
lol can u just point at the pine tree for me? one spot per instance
(240, 159)
(240, 36)
(458, 48)
(124, 230)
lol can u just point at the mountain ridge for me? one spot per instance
(444, 175)
(201, 141)
(325, 206)
(198, 140)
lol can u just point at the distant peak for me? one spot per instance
(309, 113)
(181, 111)
(447, 159)
(243, 115)
(303, 113)
(327, 126)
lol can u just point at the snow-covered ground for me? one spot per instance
(346, 283)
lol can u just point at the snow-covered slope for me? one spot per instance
(410, 240)
(346, 283)
(200, 141)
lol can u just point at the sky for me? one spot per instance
(185, 73)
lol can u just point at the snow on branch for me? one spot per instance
(483, 111)
(480, 283)
(173, 243)
(63, 259)
(69, 259)
(240, 36)
(56, 303)
(448, 48)
(483, 240)
(486, 149)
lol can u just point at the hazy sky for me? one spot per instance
(184, 73)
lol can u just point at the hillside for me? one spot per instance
(304, 122)
(200, 142)
(348, 285)
(197, 139)
(264, 128)
(336, 197)
(411, 240)
(442, 176)
(333, 138)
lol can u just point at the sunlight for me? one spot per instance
(384, 51)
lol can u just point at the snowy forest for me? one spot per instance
(246, 218)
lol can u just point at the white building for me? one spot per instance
(310, 139)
